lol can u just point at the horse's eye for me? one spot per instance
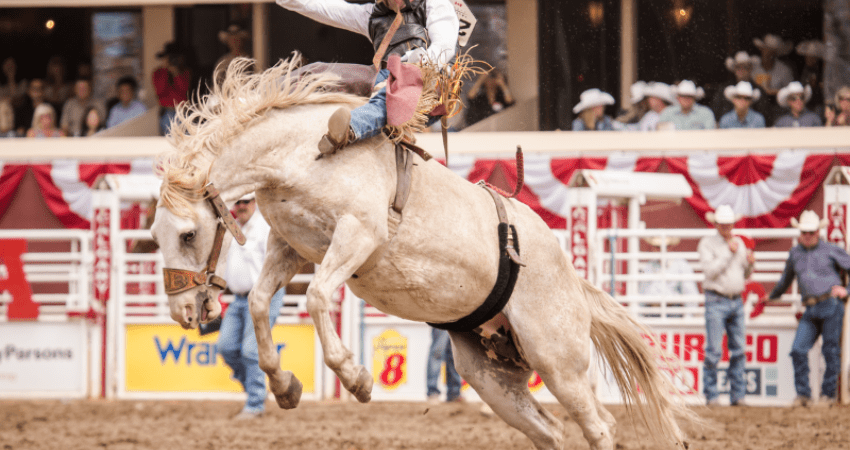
(187, 237)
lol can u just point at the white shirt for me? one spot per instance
(724, 271)
(244, 262)
(442, 22)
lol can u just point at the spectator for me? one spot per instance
(57, 89)
(670, 266)
(630, 119)
(128, 105)
(489, 95)
(93, 122)
(439, 353)
(237, 342)
(742, 95)
(234, 37)
(44, 122)
(794, 97)
(688, 114)
(726, 263)
(24, 113)
(591, 111)
(75, 107)
(817, 266)
(741, 68)
(171, 81)
(12, 89)
(840, 118)
(771, 73)
(658, 97)
(812, 73)
(7, 120)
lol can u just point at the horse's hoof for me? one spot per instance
(363, 386)
(289, 398)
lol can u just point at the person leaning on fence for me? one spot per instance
(726, 264)
(817, 265)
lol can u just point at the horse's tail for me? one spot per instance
(635, 366)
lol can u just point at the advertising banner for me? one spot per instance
(42, 358)
(167, 358)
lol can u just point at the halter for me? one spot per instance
(180, 280)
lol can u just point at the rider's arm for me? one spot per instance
(336, 13)
(443, 26)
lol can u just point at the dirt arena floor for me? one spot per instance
(165, 425)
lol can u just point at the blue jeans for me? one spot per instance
(824, 319)
(237, 345)
(441, 351)
(724, 314)
(165, 121)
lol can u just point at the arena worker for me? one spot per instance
(429, 34)
(816, 265)
(726, 263)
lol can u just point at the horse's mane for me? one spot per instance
(202, 128)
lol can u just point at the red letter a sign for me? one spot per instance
(14, 280)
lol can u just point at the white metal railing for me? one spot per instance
(60, 279)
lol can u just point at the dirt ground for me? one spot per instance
(164, 425)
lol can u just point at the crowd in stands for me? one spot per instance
(763, 92)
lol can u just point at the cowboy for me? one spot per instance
(740, 67)
(688, 114)
(726, 263)
(234, 37)
(794, 97)
(742, 95)
(812, 73)
(772, 74)
(817, 265)
(429, 34)
(658, 97)
(591, 111)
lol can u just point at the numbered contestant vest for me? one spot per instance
(412, 33)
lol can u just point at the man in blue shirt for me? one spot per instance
(817, 266)
(742, 95)
(688, 114)
(128, 105)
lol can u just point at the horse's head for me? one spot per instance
(194, 244)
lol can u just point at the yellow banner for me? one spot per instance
(389, 360)
(167, 358)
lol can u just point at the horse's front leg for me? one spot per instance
(281, 264)
(350, 247)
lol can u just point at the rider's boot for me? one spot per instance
(339, 132)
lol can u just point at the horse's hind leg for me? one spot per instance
(504, 387)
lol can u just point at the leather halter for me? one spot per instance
(180, 280)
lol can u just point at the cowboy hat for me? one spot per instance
(247, 197)
(743, 89)
(659, 90)
(637, 91)
(687, 88)
(723, 215)
(656, 241)
(794, 87)
(773, 42)
(170, 48)
(593, 97)
(741, 57)
(811, 48)
(809, 221)
(233, 30)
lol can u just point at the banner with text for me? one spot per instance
(38, 358)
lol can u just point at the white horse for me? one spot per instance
(258, 132)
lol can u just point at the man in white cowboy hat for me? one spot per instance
(234, 37)
(794, 97)
(591, 111)
(772, 74)
(237, 343)
(726, 263)
(816, 265)
(742, 96)
(813, 52)
(688, 114)
(741, 68)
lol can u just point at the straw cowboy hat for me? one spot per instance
(809, 221)
(687, 88)
(247, 197)
(811, 48)
(637, 91)
(741, 57)
(743, 89)
(233, 30)
(656, 241)
(593, 97)
(723, 215)
(659, 90)
(794, 87)
(773, 42)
